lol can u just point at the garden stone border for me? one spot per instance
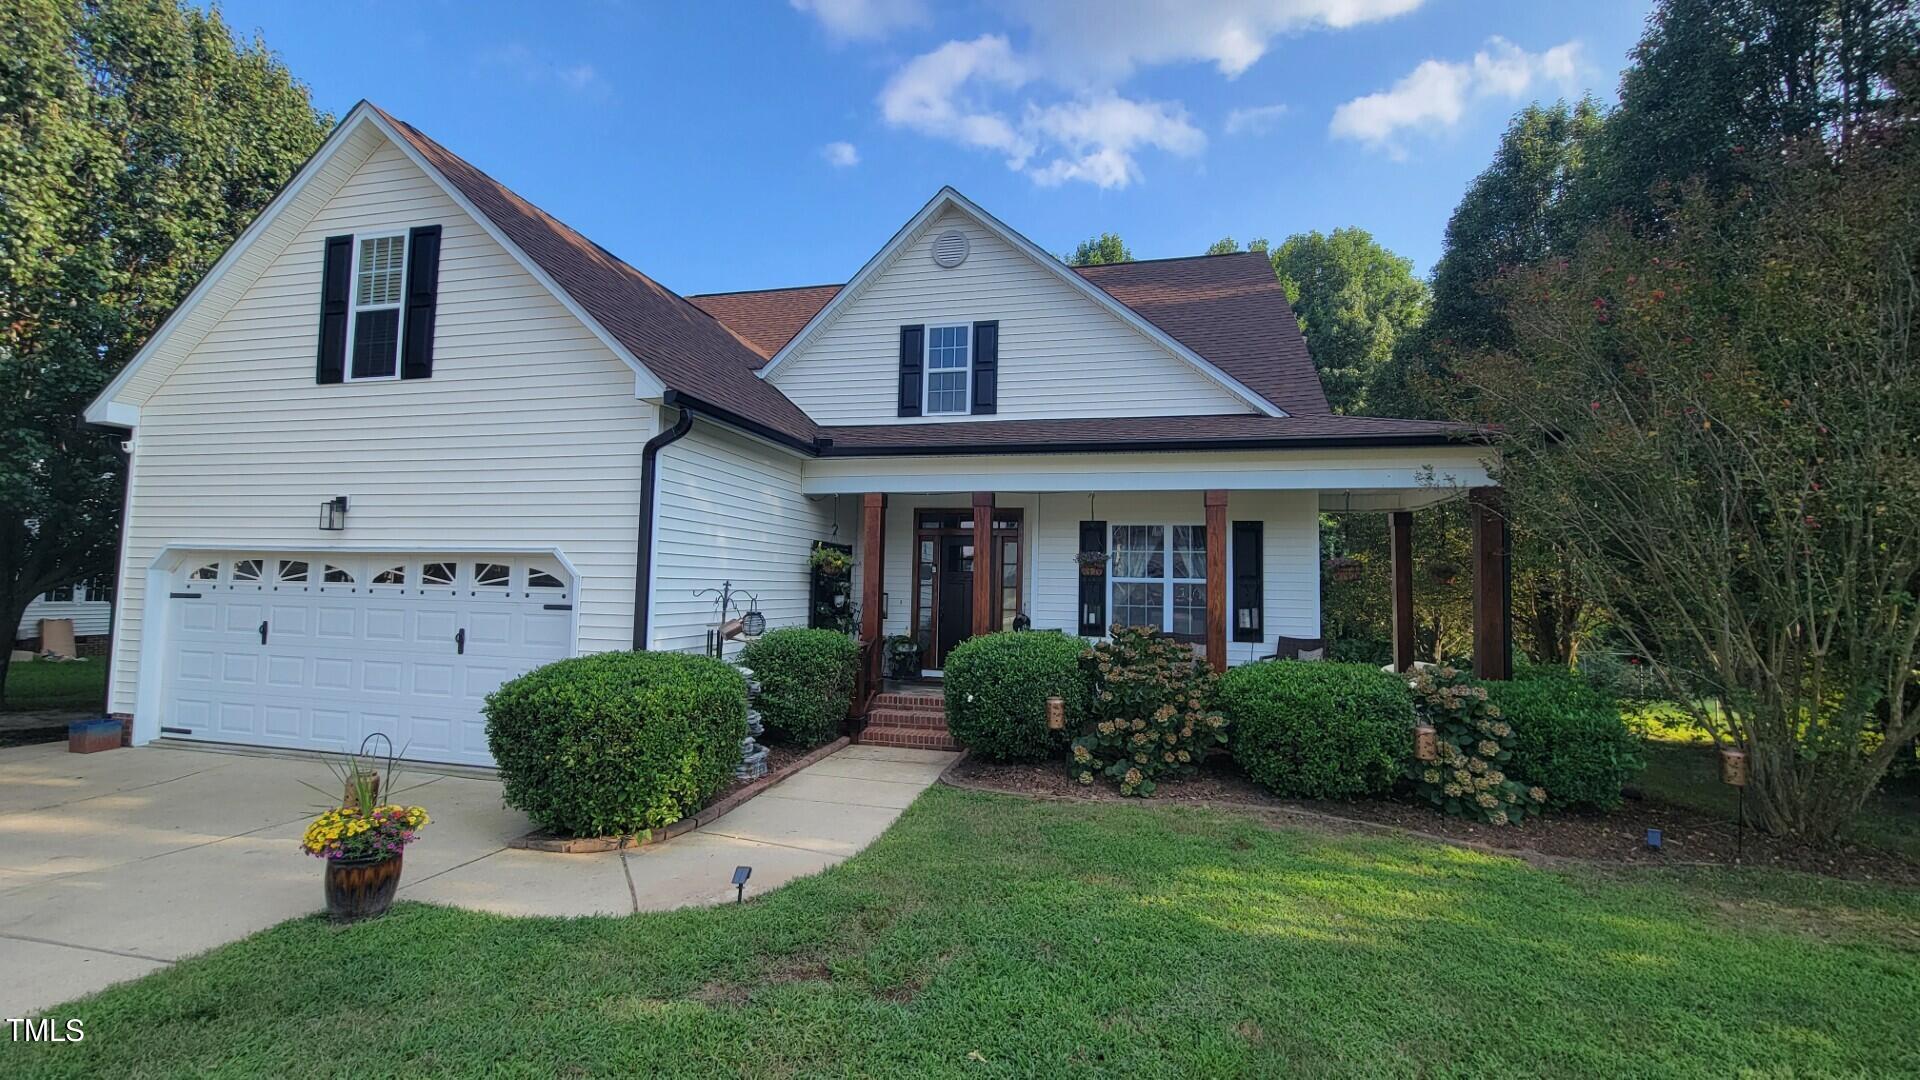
(543, 840)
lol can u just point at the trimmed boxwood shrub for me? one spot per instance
(806, 682)
(997, 687)
(618, 742)
(1318, 730)
(1569, 738)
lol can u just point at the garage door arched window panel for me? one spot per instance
(292, 572)
(492, 575)
(392, 577)
(247, 572)
(205, 572)
(542, 578)
(335, 575)
(439, 577)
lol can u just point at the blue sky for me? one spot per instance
(740, 145)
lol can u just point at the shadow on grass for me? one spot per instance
(1018, 937)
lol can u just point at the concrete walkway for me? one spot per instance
(113, 865)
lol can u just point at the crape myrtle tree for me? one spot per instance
(136, 140)
(1720, 420)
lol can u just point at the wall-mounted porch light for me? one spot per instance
(333, 513)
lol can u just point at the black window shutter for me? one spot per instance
(423, 289)
(1093, 581)
(1249, 582)
(912, 351)
(986, 366)
(336, 282)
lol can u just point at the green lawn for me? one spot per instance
(37, 684)
(991, 935)
(1683, 769)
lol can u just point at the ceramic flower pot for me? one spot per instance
(361, 888)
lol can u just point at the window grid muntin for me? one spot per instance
(1157, 577)
(373, 323)
(949, 369)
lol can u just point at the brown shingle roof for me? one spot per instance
(766, 318)
(682, 345)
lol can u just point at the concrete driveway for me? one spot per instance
(115, 864)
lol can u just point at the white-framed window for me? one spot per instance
(1158, 578)
(99, 594)
(374, 318)
(949, 369)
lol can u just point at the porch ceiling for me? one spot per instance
(1382, 478)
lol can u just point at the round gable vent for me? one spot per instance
(950, 249)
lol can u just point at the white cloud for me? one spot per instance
(535, 69)
(1111, 41)
(947, 94)
(1053, 108)
(841, 155)
(1437, 93)
(863, 18)
(1256, 120)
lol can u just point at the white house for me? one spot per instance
(412, 436)
(89, 606)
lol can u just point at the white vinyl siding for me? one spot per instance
(1061, 354)
(90, 617)
(730, 509)
(528, 435)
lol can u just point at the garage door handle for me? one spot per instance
(460, 642)
(263, 631)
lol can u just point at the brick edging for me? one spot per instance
(542, 840)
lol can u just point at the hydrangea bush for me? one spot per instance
(1468, 777)
(1150, 714)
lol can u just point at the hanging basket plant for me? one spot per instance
(1345, 568)
(1444, 572)
(1092, 563)
(830, 562)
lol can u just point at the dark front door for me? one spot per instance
(956, 597)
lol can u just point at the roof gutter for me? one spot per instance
(643, 552)
(683, 400)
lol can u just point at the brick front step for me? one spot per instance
(919, 719)
(906, 738)
(916, 702)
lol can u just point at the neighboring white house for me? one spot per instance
(89, 606)
(412, 436)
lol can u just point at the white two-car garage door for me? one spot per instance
(320, 651)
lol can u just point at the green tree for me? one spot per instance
(1227, 246)
(1717, 420)
(1715, 87)
(1354, 299)
(1100, 251)
(138, 139)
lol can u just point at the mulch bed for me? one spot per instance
(1690, 838)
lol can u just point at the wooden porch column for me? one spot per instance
(1217, 578)
(986, 587)
(873, 546)
(1492, 599)
(1400, 537)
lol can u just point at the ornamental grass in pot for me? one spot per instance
(362, 841)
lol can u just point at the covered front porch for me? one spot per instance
(1218, 549)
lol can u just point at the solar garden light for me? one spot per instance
(1426, 746)
(1733, 773)
(740, 876)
